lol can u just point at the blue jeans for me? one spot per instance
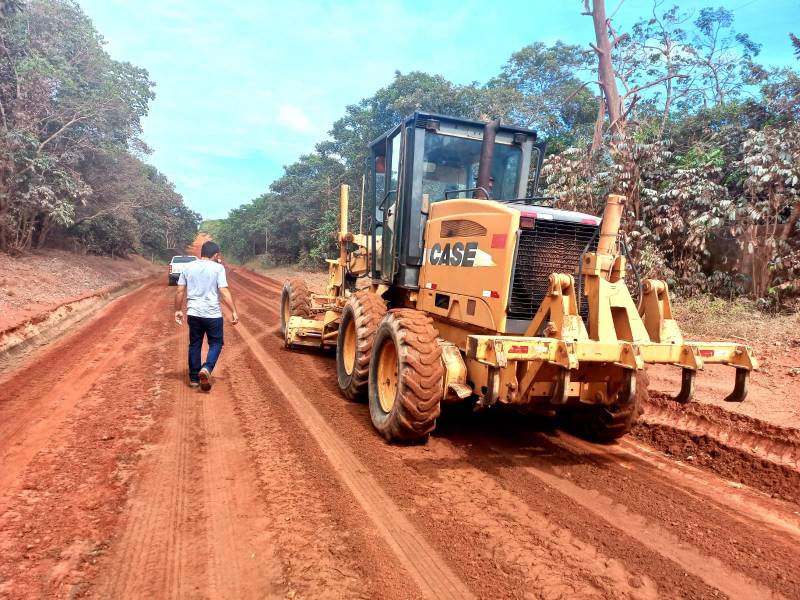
(211, 328)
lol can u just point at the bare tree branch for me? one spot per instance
(650, 84)
(614, 12)
(66, 126)
(578, 89)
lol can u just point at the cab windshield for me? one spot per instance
(451, 164)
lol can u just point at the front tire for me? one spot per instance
(295, 301)
(606, 423)
(405, 376)
(360, 319)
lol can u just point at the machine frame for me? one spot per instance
(449, 270)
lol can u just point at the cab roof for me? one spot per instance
(429, 119)
(538, 211)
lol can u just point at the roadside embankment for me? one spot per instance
(43, 294)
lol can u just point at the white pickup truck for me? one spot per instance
(176, 265)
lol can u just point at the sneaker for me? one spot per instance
(194, 384)
(205, 379)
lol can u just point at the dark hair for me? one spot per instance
(209, 249)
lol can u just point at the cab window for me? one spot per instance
(451, 163)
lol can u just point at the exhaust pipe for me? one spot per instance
(612, 216)
(485, 165)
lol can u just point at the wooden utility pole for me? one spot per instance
(361, 214)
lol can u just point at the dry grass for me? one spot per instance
(737, 320)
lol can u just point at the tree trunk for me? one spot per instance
(794, 216)
(605, 68)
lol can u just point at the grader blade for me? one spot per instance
(301, 331)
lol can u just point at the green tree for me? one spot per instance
(70, 120)
(543, 91)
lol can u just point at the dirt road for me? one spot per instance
(119, 481)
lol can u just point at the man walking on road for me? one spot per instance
(200, 285)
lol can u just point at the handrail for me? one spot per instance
(465, 190)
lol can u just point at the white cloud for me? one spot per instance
(295, 118)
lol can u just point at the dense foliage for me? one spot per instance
(70, 153)
(700, 137)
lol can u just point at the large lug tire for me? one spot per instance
(405, 376)
(606, 423)
(360, 319)
(295, 301)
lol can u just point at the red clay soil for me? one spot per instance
(34, 284)
(119, 481)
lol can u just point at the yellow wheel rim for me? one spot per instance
(387, 376)
(287, 311)
(349, 348)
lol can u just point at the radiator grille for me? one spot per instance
(551, 247)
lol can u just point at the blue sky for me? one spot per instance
(245, 87)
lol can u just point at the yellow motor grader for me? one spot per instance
(469, 287)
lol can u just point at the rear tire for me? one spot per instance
(295, 301)
(405, 376)
(606, 423)
(360, 319)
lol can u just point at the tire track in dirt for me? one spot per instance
(241, 562)
(269, 286)
(429, 571)
(164, 532)
(651, 535)
(72, 490)
(33, 391)
(319, 534)
(742, 503)
(631, 494)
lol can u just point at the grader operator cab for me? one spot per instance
(468, 287)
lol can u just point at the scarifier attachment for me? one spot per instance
(687, 386)
(666, 338)
(559, 358)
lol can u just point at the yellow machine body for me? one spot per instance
(558, 357)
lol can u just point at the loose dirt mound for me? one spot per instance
(740, 448)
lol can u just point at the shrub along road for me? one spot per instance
(117, 480)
